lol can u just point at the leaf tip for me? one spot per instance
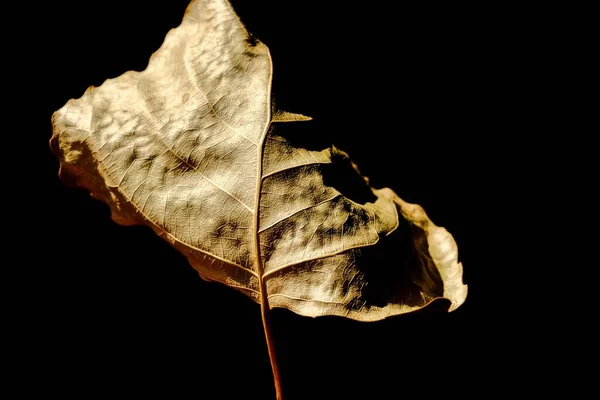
(285, 116)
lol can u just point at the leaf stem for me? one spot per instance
(266, 319)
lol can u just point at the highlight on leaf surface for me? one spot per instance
(190, 147)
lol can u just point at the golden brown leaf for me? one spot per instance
(188, 147)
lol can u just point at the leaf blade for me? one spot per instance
(185, 148)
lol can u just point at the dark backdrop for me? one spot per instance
(408, 91)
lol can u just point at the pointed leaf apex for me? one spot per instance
(285, 116)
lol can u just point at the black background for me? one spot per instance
(412, 92)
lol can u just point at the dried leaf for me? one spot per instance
(188, 147)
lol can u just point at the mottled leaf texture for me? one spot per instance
(190, 147)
